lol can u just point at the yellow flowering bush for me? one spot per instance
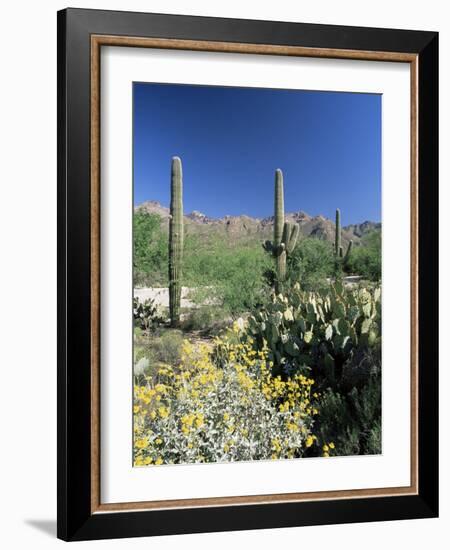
(222, 404)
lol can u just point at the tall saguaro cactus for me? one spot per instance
(285, 234)
(176, 235)
(278, 226)
(341, 260)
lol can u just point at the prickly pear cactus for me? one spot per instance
(322, 328)
(285, 234)
(176, 235)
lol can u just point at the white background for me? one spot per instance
(119, 481)
(28, 275)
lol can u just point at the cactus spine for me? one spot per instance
(285, 234)
(176, 234)
(341, 260)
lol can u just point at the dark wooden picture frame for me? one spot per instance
(81, 34)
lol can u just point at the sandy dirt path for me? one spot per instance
(161, 296)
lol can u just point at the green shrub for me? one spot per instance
(374, 441)
(365, 260)
(206, 319)
(311, 263)
(231, 277)
(352, 420)
(163, 347)
(335, 422)
(150, 255)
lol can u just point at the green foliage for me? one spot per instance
(229, 277)
(240, 272)
(146, 315)
(373, 438)
(150, 250)
(205, 319)
(311, 263)
(318, 330)
(365, 259)
(352, 420)
(176, 237)
(162, 347)
(334, 335)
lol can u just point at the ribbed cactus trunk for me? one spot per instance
(278, 228)
(176, 234)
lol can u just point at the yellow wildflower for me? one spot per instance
(142, 443)
(163, 412)
(200, 420)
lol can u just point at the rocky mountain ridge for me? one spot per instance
(243, 226)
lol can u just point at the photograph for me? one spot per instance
(257, 274)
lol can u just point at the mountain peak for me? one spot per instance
(360, 229)
(199, 217)
(154, 207)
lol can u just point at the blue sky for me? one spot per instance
(231, 140)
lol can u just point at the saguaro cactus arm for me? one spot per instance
(349, 250)
(290, 235)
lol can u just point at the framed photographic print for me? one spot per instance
(247, 260)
